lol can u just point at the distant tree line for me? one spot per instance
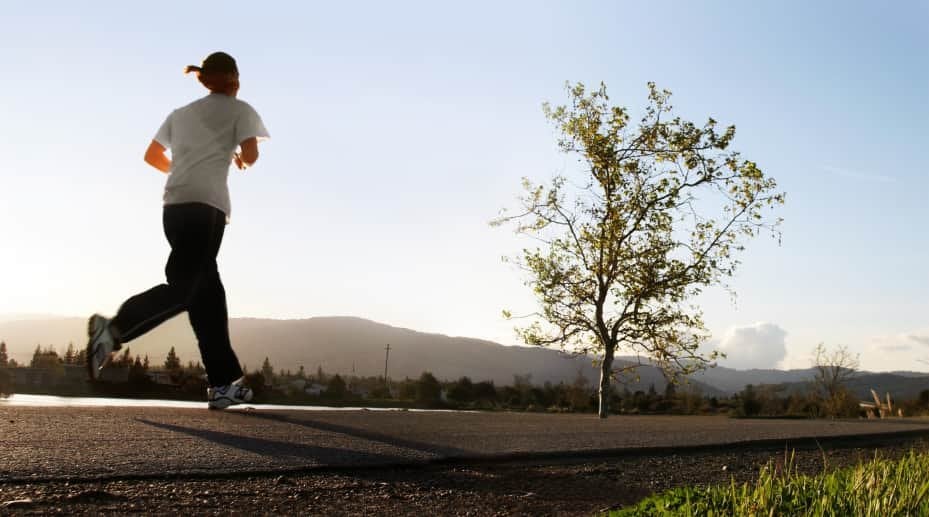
(826, 395)
(427, 391)
(65, 375)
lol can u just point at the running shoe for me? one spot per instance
(100, 345)
(221, 397)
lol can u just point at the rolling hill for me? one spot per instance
(347, 344)
(339, 345)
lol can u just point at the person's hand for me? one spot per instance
(237, 158)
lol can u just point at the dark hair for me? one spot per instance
(218, 83)
(218, 73)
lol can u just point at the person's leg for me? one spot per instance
(145, 311)
(208, 314)
(210, 321)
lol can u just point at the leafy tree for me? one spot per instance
(195, 369)
(691, 401)
(670, 391)
(256, 382)
(48, 360)
(137, 372)
(172, 361)
(6, 384)
(190, 382)
(380, 390)
(642, 401)
(4, 358)
(578, 394)
(749, 404)
(428, 389)
(267, 371)
(485, 391)
(407, 389)
(833, 369)
(658, 213)
(45, 358)
(522, 387)
(124, 360)
(335, 388)
(70, 354)
(36, 356)
(462, 391)
(773, 399)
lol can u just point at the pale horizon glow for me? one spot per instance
(399, 130)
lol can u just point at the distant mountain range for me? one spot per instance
(902, 385)
(337, 345)
(347, 344)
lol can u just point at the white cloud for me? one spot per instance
(902, 351)
(761, 345)
(917, 342)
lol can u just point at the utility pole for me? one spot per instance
(386, 359)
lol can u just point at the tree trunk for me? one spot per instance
(606, 375)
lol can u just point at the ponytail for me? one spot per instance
(216, 83)
(218, 73)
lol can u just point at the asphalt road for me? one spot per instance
(43, 443)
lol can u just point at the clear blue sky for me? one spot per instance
(400, 128)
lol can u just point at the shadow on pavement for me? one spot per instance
(284, 450)
(396, 441)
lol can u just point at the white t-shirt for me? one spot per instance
(203, 137)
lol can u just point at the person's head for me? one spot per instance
(218, 73)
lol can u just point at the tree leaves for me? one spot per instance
(660, 214)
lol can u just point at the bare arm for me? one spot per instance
(156, 157)
(249, 153)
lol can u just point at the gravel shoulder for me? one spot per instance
(569, 485)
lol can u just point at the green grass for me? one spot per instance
(876, 488)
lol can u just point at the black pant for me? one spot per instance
(195, 232)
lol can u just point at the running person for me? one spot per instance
(203, 137)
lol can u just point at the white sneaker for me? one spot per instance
(100, 345)
(221, 397)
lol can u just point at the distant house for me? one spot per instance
(315, 389)
(360, 391)
(298, 384)
(161, 377)
(291, 386)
